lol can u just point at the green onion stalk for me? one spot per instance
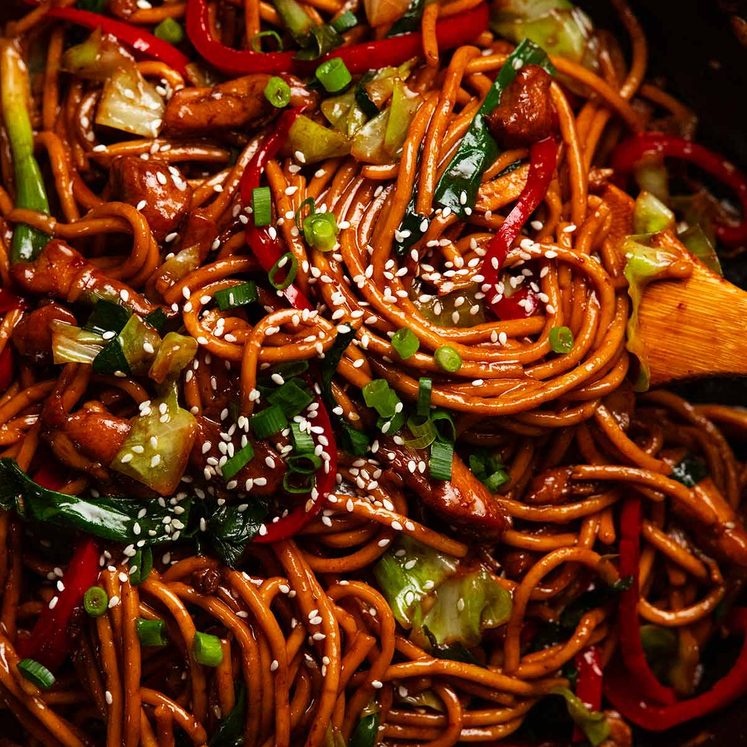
(27, 242)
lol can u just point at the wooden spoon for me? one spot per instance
(693, 327)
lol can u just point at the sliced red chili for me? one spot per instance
(627, 698)
(630, 152)
(543, 157)
(136, 38)
(588, 683)
(50, 641)
(451, 32)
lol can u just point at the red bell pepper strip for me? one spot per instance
(49, 642)
(630, 152)
(49, 476)
(543, 157)
(627, 698)
(450, 32)
(642, 680)
(139, 40)
(588, 683)
(268, 249)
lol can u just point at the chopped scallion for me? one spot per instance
(286, 261)
(256, 41)
(268, 422)
(262, 206)
(36, 673)
(278, 92)
(444, 425)
(405, 342)
(334, 75)
(206, 649)
(307, 204)
(237, 462)
(439, 464)
(298, 482)
(95, 601)
(425, 387)
(423, 432)
(561, 340)
(345, 22)
(302, 440)
(320, 231)
(141, 564)
(151, 633)
(381, 397)
(170, 31)
(448, 359)
(236, 295)
(304, 464)
(291, 398)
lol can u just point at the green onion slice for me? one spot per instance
(142, 562)
(237, 462)
(561, 340)
(291, 398)
(286, 260)
(448, 359)
(262, 206)
(206, 649)
(334, 75)
(425, 387)
(423, 431)
(381, 397)
(95, 601)
(256, 41)
(345, 22)
(278, 92)
(237, 295)
(307, 203)
(170, 31)
(405, 342)
(444, 425)
(36, 673)
(292, 483)
(302, 440)
(320, 230)
(268, 422)
(151, 632)
(442, 455)
(304, 464)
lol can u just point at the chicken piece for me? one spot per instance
(233, 105)
(32, 336)
(462, 501)
(208, 432)
(551, 488)
(525, 113)
(92, 431)
(162, 187)
(63, 273)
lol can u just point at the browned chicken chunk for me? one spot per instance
(525, 113)
(228, 106)
(162, 188)
(462, 501)
(63, 273)
(32, 336)
(206, 448)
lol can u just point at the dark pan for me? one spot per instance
(696, 53)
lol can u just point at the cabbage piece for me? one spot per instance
(157, 448)
(593, 724)
(368, 143)
(379, 12)
(558, 26)
(314, 141)
(128, 102)
(74, 345)
(343, 113)
(644, 264)
(442, 600)
(464, 606)
(175, 353)
(401, 111)
(650, 214)
(407, 575)
(700, 245)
